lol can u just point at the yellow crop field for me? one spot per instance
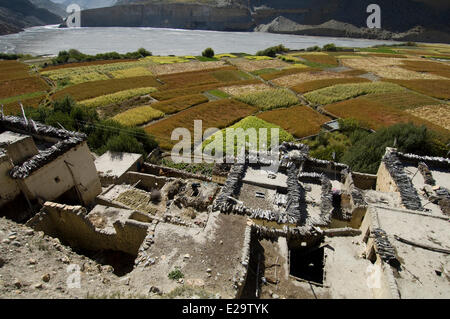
(244, 89)
(130, 73)
(342, 92)
(172, 68)
(297, 78)
(118, 97)
(438, 114)
(388, 68)
(320, 84)
(300, 120)
(436, 88)
(138, 116)
(250, 65)
(269, 99)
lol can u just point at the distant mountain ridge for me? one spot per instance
(19, 14)
(418, 20)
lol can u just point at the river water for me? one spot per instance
(49, 40)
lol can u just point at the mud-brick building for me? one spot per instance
(41, 163)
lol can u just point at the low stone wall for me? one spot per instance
(71, 225)
(364, 181)
(241, 275)
(172, 172)
(146, 181)
(409, 196)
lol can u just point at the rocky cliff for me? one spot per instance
(173, 15)
(19, 14)
(400, 18)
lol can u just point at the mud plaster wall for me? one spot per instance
(364, 181)
(55, 178)
(22, 149)
(174, 173)
(8, 186)
(388, 288)
(147, 181)
(71, 225)
(385, 182)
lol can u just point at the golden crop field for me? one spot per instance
(403, 99)
(180, 103)
(341, 92)
(297, 78)
(438, 114)
(30, 84)
(320, 84)
(439, 70)
(13, 70)
(320, 58)
(300, 120)
(269, 99)
(375, 115)
(243, 89)
(85, 91)
(81, 64)
(97, 72)
(187, 79)
(138, 116)
(252, 65)
(117, 97)
(436, 88)
(289, 71)
(163, 69)
(218, 114)
(13, 108)
(388, 68)
(250, 122)
(170, 94)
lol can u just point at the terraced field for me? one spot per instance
(138, 116)
(85, 91)
(342, 92)
(436, 88)
(218, 114)
(233, 89)
(309, 86)
(117, 97)
(219, 140)
(300, 120)
(375, 115)
(18, 83)
(269, 99)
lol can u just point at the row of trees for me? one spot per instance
(73, 55)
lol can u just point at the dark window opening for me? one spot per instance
(307, 263)
(57, 180)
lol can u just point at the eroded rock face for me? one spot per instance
(174, 15)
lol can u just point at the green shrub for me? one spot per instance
(176, 274)
(366, 153)
(208, 53)
(273, 51)
(330, 47)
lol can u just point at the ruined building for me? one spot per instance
(39, 163)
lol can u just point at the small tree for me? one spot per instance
(208, 53)
(330, 47)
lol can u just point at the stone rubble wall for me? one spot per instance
(409, 196)
(173, 173)
(71, 225)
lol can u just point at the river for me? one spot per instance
(49, 40)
